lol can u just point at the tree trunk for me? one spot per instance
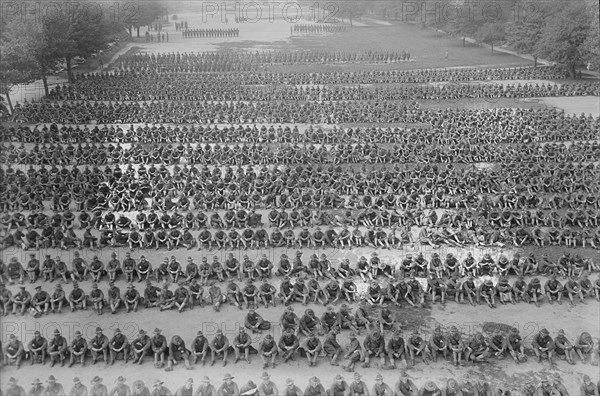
(7, 94)
(45, 81)
(492, 44)
(571, 69)
(138, 31)
(130, 28)
(535, 61)
(69, 70)
(463, 41)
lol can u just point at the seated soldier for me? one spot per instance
(476, 350)
(416, 346)
(268, 351)
(515, 346)
(374, 346)
(543, 346)
(242, 343)
(141, 347)
(200, 347)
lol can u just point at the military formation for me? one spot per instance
(222, 164)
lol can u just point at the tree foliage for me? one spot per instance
(563, 35)
(491, 34)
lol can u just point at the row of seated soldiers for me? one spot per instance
(310, 338)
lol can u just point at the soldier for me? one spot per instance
(96, 269)
(78, 349)
(177, 352)
(57, 347)
(15, 270)
(33, 268)
(289, 320)
(354, 353)
(21, 301)
(129, 266)
(13, 389)
(219, 346)
(54, 388)
(456, 345)
(584, 345)
(140, 347)
(468, 289)
(40, 301)
(563, 347)
(268, 351)
(131, 298)
(358, 387)
(437, 344)
(381, 388)
(99, 345)
(36, 390)
(417, 346)
(216, 296)
(314, 388)
(121, 388)
(113, 268)
(98, 388)
(374, 345)
(48, 269)
(143, 269)
(267, 387)
(159, 348)
(78, 388)
(339, 387)
(80, 268)
(477, 350)
(255, 322)
(114, 297)
(242, 342)
(405, 386)
(37, 348)
(228, 387)
(77, 298)
(200, 346)
(117, 345)
(488, 292)
(497, 344)
(182, 297)
(14, 352)
(288, 344)
(205, 388)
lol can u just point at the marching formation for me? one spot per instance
(209, 33)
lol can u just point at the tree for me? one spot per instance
(524, 33)
(591, 45)
(77, 33)
(491, 34)
(27, 55)
(564, 34)
(148, 12)
(349, 9)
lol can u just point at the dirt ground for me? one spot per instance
(426, 51)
